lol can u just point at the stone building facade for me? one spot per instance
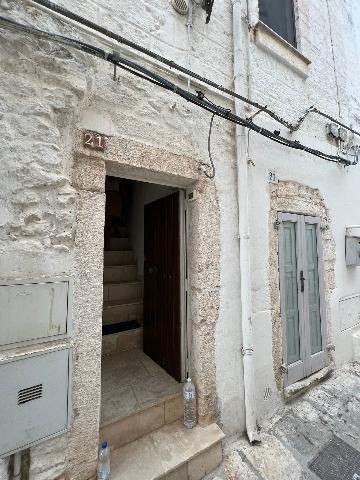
(52, 209)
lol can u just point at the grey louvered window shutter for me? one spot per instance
(301, 295)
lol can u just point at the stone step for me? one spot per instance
(172, 452)
(120, 273)
(121, 292)
(116, 257)
(123, 312)
(142, 421)
(119, 244)
(122, 341)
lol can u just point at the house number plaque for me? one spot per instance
(94, 140)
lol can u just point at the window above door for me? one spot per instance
(280, 17)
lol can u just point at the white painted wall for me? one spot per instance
(142, 194)
(46, 92)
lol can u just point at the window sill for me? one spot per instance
(272, 43)
(298, 388)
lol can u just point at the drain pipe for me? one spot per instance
(241, 85)
(17, 466)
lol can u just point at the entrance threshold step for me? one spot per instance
(122, 341)
(172, 452)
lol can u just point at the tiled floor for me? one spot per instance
(130, 382)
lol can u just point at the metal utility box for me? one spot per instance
(352, 245)
(34, 311)
(34, 399)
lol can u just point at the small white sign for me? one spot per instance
(272, 177)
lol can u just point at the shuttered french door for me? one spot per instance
(302, 296)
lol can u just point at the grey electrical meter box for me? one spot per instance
(34, 311)
(352, 245)
(34, 399)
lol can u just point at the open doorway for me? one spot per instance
(143, 312)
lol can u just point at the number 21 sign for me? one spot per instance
(94, 140)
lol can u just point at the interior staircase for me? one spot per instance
(123, 300)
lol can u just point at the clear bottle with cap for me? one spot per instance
(189, 398)
(103, 472)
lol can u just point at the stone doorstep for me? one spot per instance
(122, 341)
(124, 430)
(172, 452)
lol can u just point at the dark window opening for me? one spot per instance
(279, 16)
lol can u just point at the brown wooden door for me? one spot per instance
(162, 329)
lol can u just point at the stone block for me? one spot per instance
(173, 409)
(89, 174)
(205, 462)
(134, 426)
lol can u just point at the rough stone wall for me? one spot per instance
(4, 469)
(295, 198)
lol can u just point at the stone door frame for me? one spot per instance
(129, 159)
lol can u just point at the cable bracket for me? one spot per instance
(262, 109)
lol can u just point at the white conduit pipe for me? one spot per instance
(17, 466)
(241, 72)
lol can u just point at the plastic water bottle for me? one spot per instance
(104, 462)
(189, 395)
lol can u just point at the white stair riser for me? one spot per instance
(132, 427)
(125, 273)
(170, 453)
(122, 342)
(118, 258)
(119, 244)
(123, 313)
(122, 292)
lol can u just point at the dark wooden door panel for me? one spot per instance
(162, 328)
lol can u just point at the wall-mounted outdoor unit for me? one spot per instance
(34, 311)
(352, 245)
(34, 399)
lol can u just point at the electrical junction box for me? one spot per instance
(34, 399)
(352, 245)
(31, 312)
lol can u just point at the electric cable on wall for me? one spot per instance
(122, 40)
(199, 99)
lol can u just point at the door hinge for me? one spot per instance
(277, 224)
(283, 368)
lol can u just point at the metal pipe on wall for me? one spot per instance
(17, 466)
(241, 84)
